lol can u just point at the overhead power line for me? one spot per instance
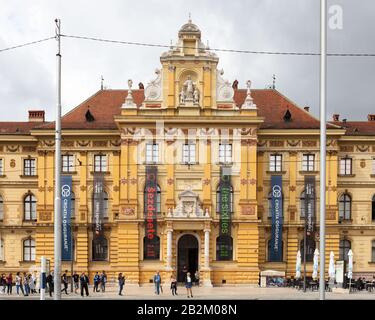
(155, 45)
(26, 44)
(219, 49)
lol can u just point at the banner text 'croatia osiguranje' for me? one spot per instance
(276, 247)
(66, 208)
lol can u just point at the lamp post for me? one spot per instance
(323, 78)
(57, 204)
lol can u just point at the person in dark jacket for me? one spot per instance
(49, 281)
(64, 280)
(84, 280)
(76, 281)
(121, 283)
(96, 282)
(174, 285)
(9, 283)
(103, 281)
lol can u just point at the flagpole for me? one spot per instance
(323, 78)
(57, 208)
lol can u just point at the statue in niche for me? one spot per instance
(189, 91)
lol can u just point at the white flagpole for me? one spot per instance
(323, 77)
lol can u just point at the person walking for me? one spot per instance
(9, 283)
(18, 284)
(64, 280)
(84, 280)
(188, 285)
(96, 282)
(3, 281)
(121, 283)
(76, 281)
(103, 281)
(196, 276)
(157, 282)
(174, 285)
(25, 282)
(31, 284)
(50, 283)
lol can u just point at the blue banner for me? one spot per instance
(276, 253)
(66, 208)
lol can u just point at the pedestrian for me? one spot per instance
(96, 282)
(121, 283)
(9, 283)
(50, 283)
(174, 285)
(103, 281)
(64, 280)
(18, 284)
(188, 285)
(76, 281)
(3, 282)
(157, 282)
(25, 282)
(196, 276)
(33, 282)
(84, 280)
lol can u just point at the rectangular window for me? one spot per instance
(152, 153)
(188, 153)
(345, 166)
(67, 163)
(275, 162)
(29, 167)
(1, 167)
(308, 161)
(100, 163)
(373, 166)
(373, 252)
(225, 153)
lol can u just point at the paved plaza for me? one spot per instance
(202, 293)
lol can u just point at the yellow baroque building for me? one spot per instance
(191, 125)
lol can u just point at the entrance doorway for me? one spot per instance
(187, 257)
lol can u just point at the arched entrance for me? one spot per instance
(187, 256)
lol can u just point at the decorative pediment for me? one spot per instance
(188, 206)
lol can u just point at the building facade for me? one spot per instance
(188, 165)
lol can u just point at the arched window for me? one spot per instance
(269, 250)
(270, 205)
(29, 204)
(1, 249)
(73, 203)
(224, 248)
(345, 207)
(29, 249)
(344, 248)
(105, 203)
(373, 208)
(218, 199)
(158, 199)
(151, 249)
(100, 249)
(1, 208)
(310, 249)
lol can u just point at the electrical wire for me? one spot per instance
(26, 44)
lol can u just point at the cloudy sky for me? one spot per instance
(27, 75)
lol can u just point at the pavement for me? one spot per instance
(203, 293)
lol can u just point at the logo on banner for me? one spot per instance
(277, 219)
(98, 210)
(66, 208)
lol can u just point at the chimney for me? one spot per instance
(371, 117)
(307, 109)
(336, 117)
(36, 115)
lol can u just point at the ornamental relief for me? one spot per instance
(13, 148)
(83, 143)
(309, 143)
(293, 143)
(363, 148)
(69, 144)
(115, 143)
(347, 148)
(262, 143)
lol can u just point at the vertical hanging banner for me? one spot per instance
(98, 206)
(310, 213)
(277, 219)
(150, 208)
(66, 211)
(225, 202)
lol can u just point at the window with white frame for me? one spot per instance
(152, 152)
(73, 204)
(225, 153)
(1, 167)
(345, 207)
(1, 249)
(100, 163)
(308, 162)
(373, 165)
(29, 167)
(346, 166)
(276, 162)
(188, 153)
(1, 208)
(29, 249)
(67, 163)
(29, 207)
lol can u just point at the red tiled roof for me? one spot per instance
(357, 128)
(18, 127)
(105, 104)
